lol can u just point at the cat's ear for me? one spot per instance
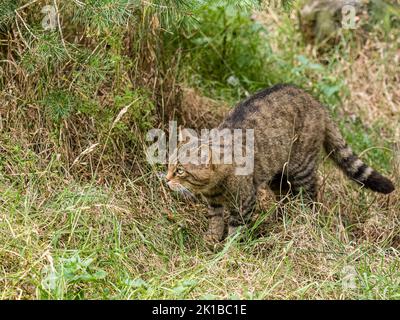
(186, 135)
(206, 155)
(180, 135)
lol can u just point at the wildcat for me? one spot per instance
(290, 129)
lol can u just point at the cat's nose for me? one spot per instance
(168, 177)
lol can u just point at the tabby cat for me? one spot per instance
(290, 129)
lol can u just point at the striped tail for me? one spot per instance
(351, 165)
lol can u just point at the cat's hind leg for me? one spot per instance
(306, 182)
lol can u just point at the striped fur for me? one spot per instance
(351, 165)
(290, 129)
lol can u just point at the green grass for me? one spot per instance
(82, 241)
(64, 239)
(83, 216)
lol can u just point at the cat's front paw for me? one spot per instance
(212, 238)
(213, 241)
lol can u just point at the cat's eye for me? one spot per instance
(180, 171)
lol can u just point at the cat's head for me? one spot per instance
(193, 169)
(196, 178)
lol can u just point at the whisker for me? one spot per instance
(186, 193)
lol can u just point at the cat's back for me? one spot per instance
(283, 102)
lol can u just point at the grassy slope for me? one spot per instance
(61, 237)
